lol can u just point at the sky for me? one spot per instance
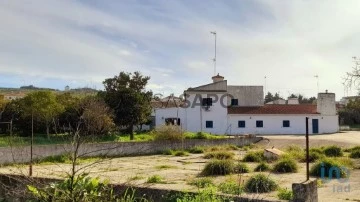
(52, 43)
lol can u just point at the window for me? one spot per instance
(234, 102)
(206, 102)
(241, 124)
(259, 124)
(209, 124)
(172, 121)
(286, 123)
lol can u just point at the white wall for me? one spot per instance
(196, 116)
(273, 124)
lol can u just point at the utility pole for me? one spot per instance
(307, 149)
(31, 144)
(214, 33)
(317, 80)
(265, 85)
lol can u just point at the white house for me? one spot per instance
(219, 108)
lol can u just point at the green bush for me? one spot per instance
(219, 155)
(262, 167)
(285, 194)
(168, 132)
(286, 165)
(352, 149)
(324, 165)
(209, 194)
(260, 183)
(230, 187)
(355, 154)
(314, 155)
(241, 168)
(218, 167)
(294, 148)
(202, 182)
(168, 152)
(155, 179)
(196, 150)
(254, 156)
(333, 151)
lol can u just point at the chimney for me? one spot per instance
(217, 78)
(326, 104)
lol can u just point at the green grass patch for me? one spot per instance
(241, 168)
(285, 194)
(333, 151)
(260, 183)
(202, 182)
(329, 166)
(155, 179)
(286, 165)
(219, 155)
(196, 150)
(202, 135)
(231, 187)
(261, 167)
(218, 167)
(254, 156)
(180, 153)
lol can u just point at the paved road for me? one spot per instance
(344, 139)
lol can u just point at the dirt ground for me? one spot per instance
(179, 171)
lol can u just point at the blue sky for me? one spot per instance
(51, 43)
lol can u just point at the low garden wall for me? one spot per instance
(22, 154)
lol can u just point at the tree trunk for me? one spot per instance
(48, 130)
(131, 131)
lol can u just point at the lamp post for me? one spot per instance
(214, 33)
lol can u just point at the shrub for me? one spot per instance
(209, 194)
(355, 154)
(168, 152)
(260, 183)
(333, 151)
(168, 132)
(196, 150)
(314, 155)
(180, 153)
(286, 165)
(295, 152)
(218, 167)
(256, 156)
(285, 194)
(262, 167)
(323, 166)
(230, 187)
(294, 148)
(352, 149)
(241, 168)
(155, 179)
(219, 155)
(202, 182)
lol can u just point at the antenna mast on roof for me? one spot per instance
(317, 78)
(214, 33)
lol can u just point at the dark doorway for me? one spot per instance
(315, 126)
(172, 121)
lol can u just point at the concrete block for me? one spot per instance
(305, 191)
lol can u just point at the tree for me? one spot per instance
(3, 103)
(269, 97)
(352, 78)
(126, 95)
(43, 106)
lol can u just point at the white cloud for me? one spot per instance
(289, 42)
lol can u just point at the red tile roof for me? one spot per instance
(275, 109)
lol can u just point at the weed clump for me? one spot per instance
(219, 155)
(329, 167)
(262, 167)
(202, 182)
(196, 150)
(286, 165)
(254, 156)
(231, 187)
(155, 179)
(260, 183)
(168, 132)
(218, 167)
(241, 168)
(333, 151)
(285, 194)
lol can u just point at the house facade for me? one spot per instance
(219, 108)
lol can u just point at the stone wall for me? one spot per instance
(22, 154)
